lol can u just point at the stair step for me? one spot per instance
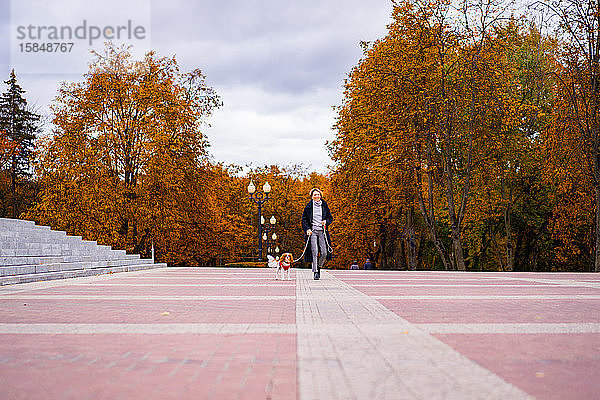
(28, 250)
(44, 250)
(29, 260)
(11, 280)
(69, 266)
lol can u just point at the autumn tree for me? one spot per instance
(420, 106)
(290, 188)
(573, 138)
(508, 168)
(212, 228)
(127, 164)
(7, 149)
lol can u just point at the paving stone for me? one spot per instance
(548, 366)
(154, 366)
(217, 333)
(346, 334)
(495, 310)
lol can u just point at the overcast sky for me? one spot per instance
(279, 65)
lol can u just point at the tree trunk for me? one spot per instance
(428, 214)
(499, 255)
(507, 211)
(443, 254)
(13, 181)
(403, 262)
(383, 247)
(597, 250)
(510, 249)
(430, 220)
(411, 244)
(484, 246)
(458, 259)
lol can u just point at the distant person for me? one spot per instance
(354, 265)
(368, 264)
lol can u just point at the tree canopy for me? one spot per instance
(467, 139)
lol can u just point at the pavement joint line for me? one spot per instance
(414, 278)
(196, 278)
(440, 275)
(263, 275)
(288, 285)
(457, 285)
(141, 297)
(158, 329)
(344, 334)
(25, 287)
(511, 328)
(562, 282)
(159, 272)
(370, 277)
(492, 297)
(498, 275)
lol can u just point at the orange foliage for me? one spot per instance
(8, 149)
(418, 115)
(127, 164)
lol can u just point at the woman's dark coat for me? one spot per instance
(307, 217)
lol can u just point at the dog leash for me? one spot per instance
(305, 246)
(329, 248)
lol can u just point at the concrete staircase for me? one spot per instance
(30, 253)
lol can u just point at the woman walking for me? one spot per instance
(316, 218)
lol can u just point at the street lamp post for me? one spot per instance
(267, 230)
(269, 242)
(259, 198)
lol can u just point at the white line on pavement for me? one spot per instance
(503, 328)
(263, 278)
(164, 329)
(383, 328)
(561, 282)
(458, 285)
(288, 285)
(141, 297)
(493, 297)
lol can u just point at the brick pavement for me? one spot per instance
(163, 334)
(238, 334)
(538, 332)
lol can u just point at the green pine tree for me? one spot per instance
(19, 126)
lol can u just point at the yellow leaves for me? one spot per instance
(442, 118)
(126, 155)
(8, 148)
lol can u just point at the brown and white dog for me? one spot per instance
(282, 265)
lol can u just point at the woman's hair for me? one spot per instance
(316, 190)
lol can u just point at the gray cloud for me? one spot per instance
(289, 45)
(5, 36)
(278, 64)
